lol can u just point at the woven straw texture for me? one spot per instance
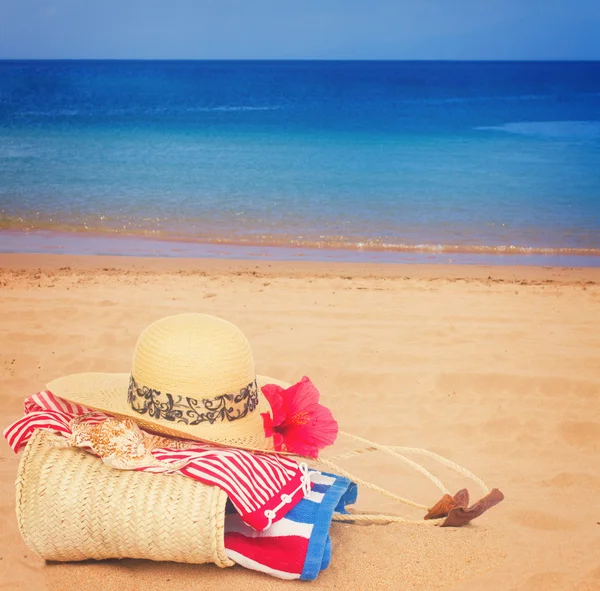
(193, 355)
(71, 506)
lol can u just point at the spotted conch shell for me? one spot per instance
(119, 442)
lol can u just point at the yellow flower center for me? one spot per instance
(300, 418)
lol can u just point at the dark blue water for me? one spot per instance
(476, 156)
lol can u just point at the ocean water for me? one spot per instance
(418, 157)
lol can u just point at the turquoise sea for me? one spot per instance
(390, 161)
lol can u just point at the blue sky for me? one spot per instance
(302, 29)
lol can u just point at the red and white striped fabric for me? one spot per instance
(261, 487)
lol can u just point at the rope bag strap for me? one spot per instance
(397, 452)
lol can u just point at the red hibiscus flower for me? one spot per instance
(299, 425)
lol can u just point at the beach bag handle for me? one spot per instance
(461, 498)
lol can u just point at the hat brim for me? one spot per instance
(107, 392)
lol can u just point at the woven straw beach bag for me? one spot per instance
(71, 506)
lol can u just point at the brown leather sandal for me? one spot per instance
(456, 511)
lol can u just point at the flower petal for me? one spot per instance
(278, 442)
(273, 394)
(267, 424)
(301, 397)
(319, 432)
(302, 449)
(324, 427)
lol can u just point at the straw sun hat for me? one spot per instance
(192, 377)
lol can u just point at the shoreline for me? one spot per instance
(77, 243)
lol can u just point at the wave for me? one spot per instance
(22, 226)
(228, 108)
(50, 113)
(62, 112)
(550, 129)
(476, 99)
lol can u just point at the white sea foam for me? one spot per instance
(476, 99)
(550, 129)
(233, 108)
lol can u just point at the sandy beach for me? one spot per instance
(495, 368)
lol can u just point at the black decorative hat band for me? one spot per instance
(191, 411)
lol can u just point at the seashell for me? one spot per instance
(119, 442)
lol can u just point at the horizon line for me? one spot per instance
(158, 59)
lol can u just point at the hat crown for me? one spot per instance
(194, 355)
(192, 376)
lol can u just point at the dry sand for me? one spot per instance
(495, 368)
